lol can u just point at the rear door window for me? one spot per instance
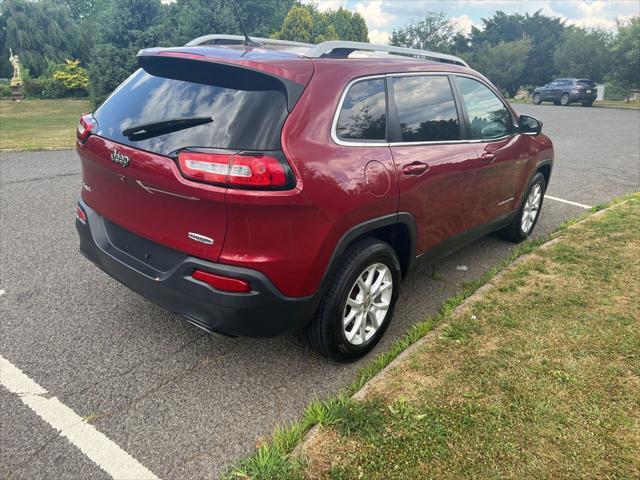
(363, 115)
(426, 108)
(242, 118)
(488, 117)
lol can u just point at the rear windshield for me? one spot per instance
(241, 118)
(586, 83)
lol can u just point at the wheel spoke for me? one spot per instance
(354, 303)
(363, 326)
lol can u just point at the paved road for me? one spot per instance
(181, 402)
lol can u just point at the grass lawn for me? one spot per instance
(39, 124)
(537, 378)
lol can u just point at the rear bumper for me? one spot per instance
(583, 97)
(264, 312)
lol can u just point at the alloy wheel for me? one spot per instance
(367, 304)
(531, 208)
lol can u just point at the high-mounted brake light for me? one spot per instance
(85, 127)
(220, 282)
(239, 170)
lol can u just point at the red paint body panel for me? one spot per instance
(164, 207)
(443, 199)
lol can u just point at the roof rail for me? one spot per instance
(341, 49)
(217, 39)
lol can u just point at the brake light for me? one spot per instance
(239, 170)
(220, 282)
(85, 127)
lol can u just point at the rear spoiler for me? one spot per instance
(192, 67)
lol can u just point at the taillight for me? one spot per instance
(236, 169)
(220, 282)
(85, 127)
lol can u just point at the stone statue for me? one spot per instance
(16, 80)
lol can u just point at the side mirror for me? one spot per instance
(529, 125)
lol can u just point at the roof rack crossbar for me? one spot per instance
(239, 40)
(324, 49)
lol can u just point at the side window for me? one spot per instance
(488, 116)
(363, 115)
(426, 108)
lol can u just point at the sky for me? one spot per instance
(382, 16)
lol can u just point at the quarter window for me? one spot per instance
(426, 108)
(488, 116)
(363, 116)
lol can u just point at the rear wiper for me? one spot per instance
(155, 129)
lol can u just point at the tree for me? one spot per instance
(503, 63)
(40, 33)
(626, 52)
(124, 27)
(583, 53)
(543, 31)
(194, 18)
(108, 68)
(434, 32)
(264, 17)
(297, 26)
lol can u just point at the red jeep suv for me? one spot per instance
(264, 188)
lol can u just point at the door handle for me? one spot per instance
(415, 168)
(488, 157)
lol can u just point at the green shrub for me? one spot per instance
(614, 91)
(46, 88)
(5, 90)
(73, 77)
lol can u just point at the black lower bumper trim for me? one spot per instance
(264, 312)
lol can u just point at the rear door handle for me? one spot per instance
(415, 168)
(488, 157)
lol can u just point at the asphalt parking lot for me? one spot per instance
(182, 403)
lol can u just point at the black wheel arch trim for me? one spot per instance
(401, 218)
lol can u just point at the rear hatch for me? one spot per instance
(172, 106)
(587, 86)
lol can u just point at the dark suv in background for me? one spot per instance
(260, 189)
(565, 91)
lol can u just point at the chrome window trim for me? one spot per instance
(382, 143)
(336, 115)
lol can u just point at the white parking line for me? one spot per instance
(95, 445)
(575, 204)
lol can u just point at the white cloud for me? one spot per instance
(592, 22)
(379, 37)
(373, 14)
(462, 24)
(591, 9)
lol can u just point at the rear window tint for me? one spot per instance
(586, 83)
(363, 116)
(242, 119)
(426, 108)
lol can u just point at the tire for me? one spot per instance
(537, 99)
(328, 333)
(587, 104)
(565, 100)
(518, 230)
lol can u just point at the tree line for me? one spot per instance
(516, 50)
(105, 35)
(513, 50)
